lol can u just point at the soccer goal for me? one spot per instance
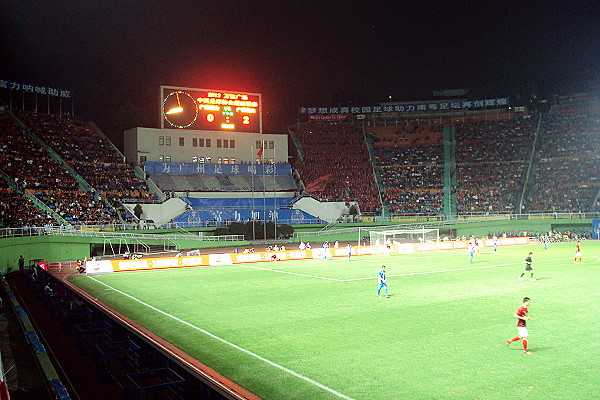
(396, 236)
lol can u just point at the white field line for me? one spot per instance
(289, 273)
(228, 343)
(396, 275)
(433, 272)
(449, 253)
(158, 270)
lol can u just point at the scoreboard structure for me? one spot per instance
(210, 110)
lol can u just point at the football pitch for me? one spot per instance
(315, 329)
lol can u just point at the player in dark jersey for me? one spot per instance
(522, 332)
(528, 268)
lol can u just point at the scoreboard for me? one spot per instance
(212, 110)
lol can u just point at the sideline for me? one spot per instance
(235, 346)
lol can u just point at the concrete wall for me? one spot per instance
(145, 142)
(161, 213)
(53, 248)
(67, 248)
(327, 211)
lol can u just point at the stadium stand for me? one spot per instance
(337, 164)
(18, 211)
(409, 135)
(51, 157)
(32, 169)
(567, 164)
(492, 158)
(410, 160)
(92, 156)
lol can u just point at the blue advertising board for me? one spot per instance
(180, 168)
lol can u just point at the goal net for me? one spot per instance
(398, 236)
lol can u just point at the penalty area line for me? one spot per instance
(441, 271)
(228, 343)
(429, 272)
(290, 273)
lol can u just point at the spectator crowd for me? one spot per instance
(566, 174)
(492, 157)
(491, 162)
(28, 159)
(412, 177)
(337, 155)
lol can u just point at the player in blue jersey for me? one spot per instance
(471, 250)
(382, 282)
(545, 243)
(325, 250)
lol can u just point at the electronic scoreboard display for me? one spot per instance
(213, 110)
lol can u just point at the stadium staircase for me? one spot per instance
(450, 171)
(152, 187)
(376, 172)
(183, 231)
(530, 165)
(297, 143)
(328, 227)
(596, 202)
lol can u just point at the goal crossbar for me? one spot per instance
(396, 236)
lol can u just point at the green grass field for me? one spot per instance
(316, 329)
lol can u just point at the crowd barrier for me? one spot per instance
(103, 266)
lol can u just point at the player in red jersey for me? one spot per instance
(578, 253)
(522, 332)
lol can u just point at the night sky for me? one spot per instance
(115, 54)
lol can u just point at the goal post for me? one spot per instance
(401, 236)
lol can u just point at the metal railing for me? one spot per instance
(439, 221)
(418, 220)
(224, 238)
(16, 232)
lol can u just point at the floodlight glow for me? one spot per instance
(174, 110)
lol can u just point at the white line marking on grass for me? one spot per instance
(431, 272)
(391, 276)
(235, 346)
(290, 273)
(441, 271)
(158, 270)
